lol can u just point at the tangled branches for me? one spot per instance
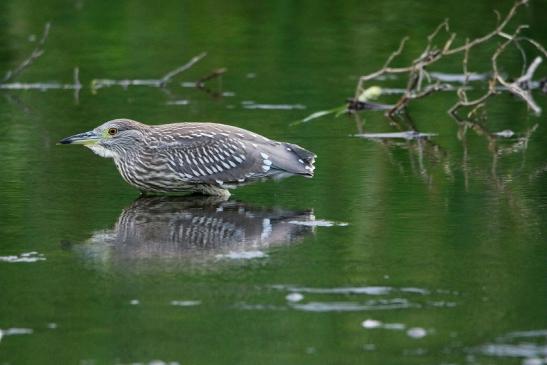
(8, 82)
(421, 82)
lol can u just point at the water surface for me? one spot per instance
(428, 251)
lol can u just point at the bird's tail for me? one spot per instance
(307, 157)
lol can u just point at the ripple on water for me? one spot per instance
(416, 332)
(397, 135)
(366, 290)
(397, 303)
(380, 298)
(151, 362)
(242, 255)
(24, 257)
(15, 332)
(531, 346)
(319, 223)
(185, 303)
(413, 332)
(248, 104)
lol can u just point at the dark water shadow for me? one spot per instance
(195, 228)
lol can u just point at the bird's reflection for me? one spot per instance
(196, 227)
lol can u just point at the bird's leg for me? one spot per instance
(206, 189)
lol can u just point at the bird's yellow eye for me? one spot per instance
(112, 131)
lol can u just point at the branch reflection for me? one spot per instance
(426, 158)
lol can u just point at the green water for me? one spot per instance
(442, 260)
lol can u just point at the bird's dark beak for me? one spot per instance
(86, 138)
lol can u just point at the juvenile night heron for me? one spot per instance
(193, 157)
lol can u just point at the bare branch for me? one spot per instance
(533, 42)
(385, 68)
(397, 52)
(462, 95)
(413, 95)
(36, 53)
(444, 25)
(215, 74)
(514, 87)
(493, 33)
(431, 37)
(419, 83)
(169, 76)
(526, 78)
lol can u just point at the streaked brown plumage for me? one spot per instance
(193, 157)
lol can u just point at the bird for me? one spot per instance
(193, 157)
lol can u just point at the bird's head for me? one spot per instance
(114, 138)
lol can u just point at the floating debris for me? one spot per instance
(24, 257)
(371, 323)
(396, 135)
(416, 332)
(294, 297)
(371, 93)
(134, 302)
(507, 133)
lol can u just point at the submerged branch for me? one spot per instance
(170, 75)
(215, 74)
(162, 82)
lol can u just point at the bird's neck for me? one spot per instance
(101, 151)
